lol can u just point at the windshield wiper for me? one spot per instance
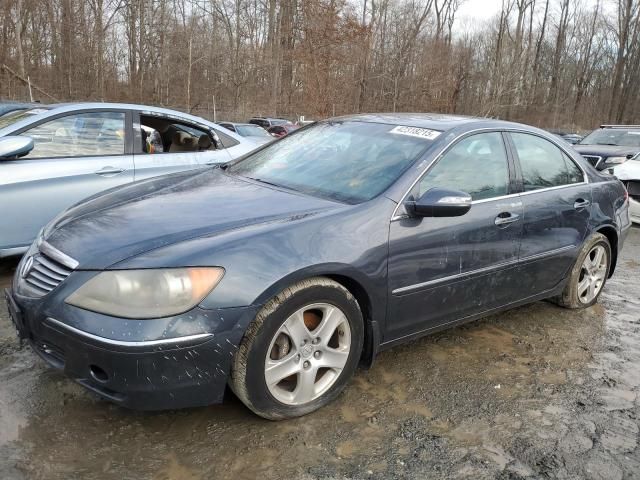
(611, 144)
(266, 182)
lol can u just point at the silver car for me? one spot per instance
(54, 156)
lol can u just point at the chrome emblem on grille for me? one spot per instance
(26, 267)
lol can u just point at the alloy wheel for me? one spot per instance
(592, 274)
(307, 354)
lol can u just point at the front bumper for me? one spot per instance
(132, 364)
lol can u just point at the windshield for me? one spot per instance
(613, 136)
(13, 117)
(251, 131)
(348, 161)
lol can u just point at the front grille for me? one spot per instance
(45, 274)
(592, 159)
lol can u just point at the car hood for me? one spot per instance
(606, 151)
(629, 170)
(162, 211)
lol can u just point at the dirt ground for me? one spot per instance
(538, 392)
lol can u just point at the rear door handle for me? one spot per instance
(581, 203)
(505, 218)
(109, 171)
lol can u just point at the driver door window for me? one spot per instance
(476, 165)
(80, 135)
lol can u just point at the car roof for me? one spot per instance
(56, 108)
(433, 121)
(270, 118)
(238, 124)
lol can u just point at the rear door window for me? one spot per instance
(543, 164)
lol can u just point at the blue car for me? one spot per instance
(280, 272)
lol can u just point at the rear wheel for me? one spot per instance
(589, 274)
(300, 351)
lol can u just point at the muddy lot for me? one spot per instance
(538, 392)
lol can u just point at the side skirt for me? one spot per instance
(470, 318)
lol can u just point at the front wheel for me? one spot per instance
(589, 274)
(300, 351)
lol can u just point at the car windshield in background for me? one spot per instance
(251, 131)
(14, 117)
(348, 161)
(613, 136)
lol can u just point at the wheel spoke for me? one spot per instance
(592, 291)
(296, 329)
(331, 319)
(583, 286)
(597, 258)
(334, 358)
(305, 390)
(278, 370)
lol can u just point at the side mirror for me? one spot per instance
(440, 202)
(13, 147)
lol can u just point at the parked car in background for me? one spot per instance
(248, 130)
(282, 130)
(610, 145)
(78, 150)
(568, 137)
(268, 122)
(629, 173)
(8, 107)
(281, 272)
(572, 138)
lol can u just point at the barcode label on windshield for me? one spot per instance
(416, 132)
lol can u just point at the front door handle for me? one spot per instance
(505, 218)
(109, 171)
(581, 203)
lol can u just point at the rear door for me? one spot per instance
(185, 146)
(75, 156)
(556, 199)
(444, 269)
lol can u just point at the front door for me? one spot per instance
(444, 269)
(167, 145)
(75, 156)
(557, 206)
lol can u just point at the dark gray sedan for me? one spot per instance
(281, 272)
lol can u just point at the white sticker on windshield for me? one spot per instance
(416, 132)
(633, 133)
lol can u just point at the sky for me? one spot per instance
(475, 12)
(479, 9)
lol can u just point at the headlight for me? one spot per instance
(615, 160)
(146, 293)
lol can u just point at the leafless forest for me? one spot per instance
(553, 63)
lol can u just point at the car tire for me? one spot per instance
(585, 272)
(317, 359)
